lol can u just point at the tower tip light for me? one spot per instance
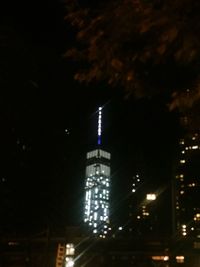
(99, 126)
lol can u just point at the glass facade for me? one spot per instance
(97, 192)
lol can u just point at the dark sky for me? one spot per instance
(42, 170)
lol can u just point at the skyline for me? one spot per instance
(42, 161)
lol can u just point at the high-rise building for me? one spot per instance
(97, 188)
(142, 205)
(187, 186)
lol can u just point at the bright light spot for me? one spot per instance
(133, 190)
(182, 161)
(69, 263)
(120, 228)
(70, 250)
(180, 259)
(151, 196)
(195, 147)
(67, 131)
(182, 142)
(160, 258)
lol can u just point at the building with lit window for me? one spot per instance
(187, 186)
(97, 188)
(142, 208)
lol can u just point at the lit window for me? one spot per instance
(180, 259)
(120, 228)
(70, 249)
(195, 147)
(182, 161)
(182, 142)
(151, 196)
(69, 262)
(160, 258)
(95, 216)
(197, 217)
(133, 190)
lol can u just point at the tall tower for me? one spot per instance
(187, 179)
(187, 183)
(97, 187)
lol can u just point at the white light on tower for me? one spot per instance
(151, 197)
(99, 125)
(97, 188)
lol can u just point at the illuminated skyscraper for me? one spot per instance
(187, 186)
(187, 182)
(97, 188)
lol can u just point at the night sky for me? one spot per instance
(48, 123)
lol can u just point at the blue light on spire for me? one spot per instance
(99, 125)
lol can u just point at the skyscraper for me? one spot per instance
(97, 187)
(187, 189)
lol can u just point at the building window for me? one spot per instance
(180, 259)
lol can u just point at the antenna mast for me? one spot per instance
(99, 125)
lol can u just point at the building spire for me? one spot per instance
(99, 125)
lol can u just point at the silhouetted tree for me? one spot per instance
(147, 47)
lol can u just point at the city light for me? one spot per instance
(151, 197)
(70, 249)
(180, 259)
(97, 192)
(160, 258)
(69, 262)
